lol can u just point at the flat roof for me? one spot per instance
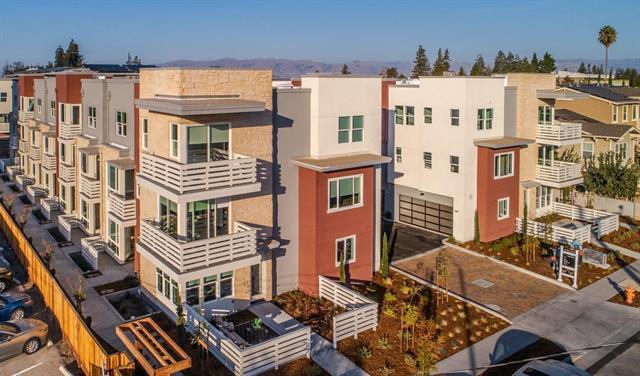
(199, 106)
(560, 95)
(90, 150)
(340, 75)
(123, 163)
(339, 162)
(502, 142)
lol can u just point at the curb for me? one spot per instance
(511, 266)
(453, 294)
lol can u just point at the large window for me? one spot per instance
(587, 150)
(173, 135)
(621, 150)
(503, 208)
(454, 114)
(350, 129)
(168, 216)
(634, 112)
(193, 292)
(113, 180)
(503, 165)
(75, 115)
(345, 192)
(121, 123)
(454, 163)
(428, 159)
(92, 118)
(209, 288)
(346, 250)
(167, 286)
(205, 220)
(145, 133)
(226, 284)
(206, 143)
(545, 115)
(405, 115)
(114, 237)
(428, 115)
(543, 196)
(545, 155)
(485, 118)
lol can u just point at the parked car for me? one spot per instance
(549, 367)
(6, 277)
(22, 336)
(14, 306)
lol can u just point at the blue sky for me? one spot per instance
(330, 31)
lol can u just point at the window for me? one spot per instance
(38, 107)
(503, 208)
(30, 104)
(256, 279)
(52, 108)
(615, 114)
(405, 115)
(145, 133)
(209, 288)
(587, 150)
(485, 118)
(543, 196)
(84, 163)
(63, 152)
(114, 237)
(167, 286)
(226, 284)
(92, 118)
(174, 140)
(3, 97)
(621, 150)
(634, 112)
(350, 129)
(428, 115)
(63, 113)
(346, 250)
(426, 156)
(205, 219)
(624, 113)
(345, 192)
(159, 279)
(206, 143)
(113, 178)
(168, 216)
(454, 113)
(175, 295)
(454, 161)
(545, 115)
(193, 292)
(75, 115)
(399, 154)
(503, 165)
(121, 123)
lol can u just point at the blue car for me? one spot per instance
(14, 306)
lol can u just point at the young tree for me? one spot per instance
(421, 64)
(180, 318)
(479, 68)
(607, 36)
(72, 56)
(582, 68)
(390, 72)
(384, 262)
(612, 176)
(79, 294)
(461, 71)
(476, 228)
(446, 63)
(345, 69)
(548, 63)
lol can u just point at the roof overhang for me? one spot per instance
(503, 142)
(340, 162)
(198, 105)
(561, 95)
(123, 163)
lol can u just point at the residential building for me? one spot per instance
(605, 104)
(204, 189)
(455, 156)
(328, 191)
(21, 171)
(8, 117)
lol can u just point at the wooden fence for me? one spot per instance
(93, 359)
(361, 315)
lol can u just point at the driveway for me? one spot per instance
(407, 241)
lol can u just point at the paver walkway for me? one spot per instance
(407, 241)
(484, 281)
(574, 320)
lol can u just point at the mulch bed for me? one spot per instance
(619, 298)
(126, 283)
(624, 238)
(505, 249)
(316, 313)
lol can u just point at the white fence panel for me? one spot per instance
(558, 233)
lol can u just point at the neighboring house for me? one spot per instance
(455, 155)
(328, 191)
(605, 104)
(8, 117)
(598, 137)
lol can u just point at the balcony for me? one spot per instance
(34, 153)
(69, 131)
(49, 205)
(23, 116)
(559, 133)
(13, 171)
(91, 248)
(67, 173)
(22, 181)
(89, 187)
(179, 179)
(49, 161)
(23, 146)
(189, 255)
(4, 128)
(121, 207)
(559, 174)
(34, 192)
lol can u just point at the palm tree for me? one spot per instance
(607, 36)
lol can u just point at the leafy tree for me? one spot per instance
(582, 68)
(461, 72)
(421, 64)
(72, 57)
(180, 318)
(479, 68)
(384, 267)
(612, 176)
(390, 72)
(345, 69)
(607, 36)
(60, 58)
(548, 63)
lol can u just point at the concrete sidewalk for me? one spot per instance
(574, 320)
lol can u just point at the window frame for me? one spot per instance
(456, 165)
(92, 119)
(121, 126)
(428, 118)
(427, 158)
(484, 121)
(583, 150)
(337, 180)
(145, 133)
(404, 116)
(618, 146)
(497, 174)
(634, 112)
(174, 144)
(353, 249)
(508, 208)
(398, 154)
(454, 121)
(625, 113)
(5, 96)
(614, 115)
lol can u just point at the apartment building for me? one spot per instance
(328, 191)
(204, 200)
(604, 104)
(8, 117)
(455, 156)
(21, 171)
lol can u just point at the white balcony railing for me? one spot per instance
(22, 181)
(23, 116)
(559, 174)
(91, 248)
(23, 146)
(34, 153)
(89, 187)
(191, 177)
(66, 223)
(121, 207)
(187, 255)
(13, 171)
(559, 133)
(49, 205)
(69, 131)
(4, 128)
(67, 173)
(34, 191)
(49, 161)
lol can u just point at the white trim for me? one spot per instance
(144, 140)
(508, 200)
(582, 148)
(353, 249)
(177, 141)
(121, 127)
(337, 179)
(513, 163)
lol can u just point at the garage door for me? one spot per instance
(426, 214)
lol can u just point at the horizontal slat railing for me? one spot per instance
(605, 222)
(48, 205)
(559, 132)
(34, 153)
(66, 223)
(49, 161)
(67, 173)
(187, 255)
(23, 146)
(559, 172)
(198, 176)
(91, 247)
(89, 187)
(122, 208)
(25, 115)
(68, 131)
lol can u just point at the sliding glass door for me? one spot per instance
(208, 143)
(168, 216)
(206, 220)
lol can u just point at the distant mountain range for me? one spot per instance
(287, 68)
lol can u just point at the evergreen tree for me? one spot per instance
(548, 63)
(500, 63)
(588, 68)
(128, 62)
(611, 77)
(72, 56)
(421, 64)
(438, 66)
(479, 68)
(390, 72)
(345, 69)
(582, 68)
(535, 63)
(446, 63)
(461, 72)
(59, 59)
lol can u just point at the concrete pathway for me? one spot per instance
(574, 320)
